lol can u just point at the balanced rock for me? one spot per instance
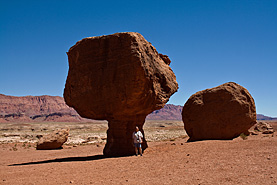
(120, 78)
(54, 140)
(223, 112)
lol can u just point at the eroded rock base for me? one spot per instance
(119, 137)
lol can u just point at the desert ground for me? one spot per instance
(169, 159)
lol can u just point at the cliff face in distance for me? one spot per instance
(33, 105)
(36, 108)
(263, 117)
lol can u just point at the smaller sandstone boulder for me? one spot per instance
(222, 112)
(54, 140)
(264, 127)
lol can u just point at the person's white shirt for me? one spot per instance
(137, 137)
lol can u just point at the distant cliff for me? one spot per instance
(36, 108)
(263, 117)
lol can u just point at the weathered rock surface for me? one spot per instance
(120, 78)
(222, 112)
(263, 127)
(54, 140)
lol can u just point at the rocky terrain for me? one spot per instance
(244, 160)
(85, 132)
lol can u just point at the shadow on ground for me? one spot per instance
(67, 159)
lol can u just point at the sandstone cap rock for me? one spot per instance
(117, 75)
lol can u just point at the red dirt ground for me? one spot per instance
(238, 161)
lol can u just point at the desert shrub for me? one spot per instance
(243, 136)
(14, 147)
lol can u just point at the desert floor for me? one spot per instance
(168, 160)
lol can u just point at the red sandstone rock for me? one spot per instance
(120, 78)
(223, 112)
(54, 140)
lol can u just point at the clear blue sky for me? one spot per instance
(209, 42)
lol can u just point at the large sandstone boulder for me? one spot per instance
(54, 140)
(223, 112)
(120, 78)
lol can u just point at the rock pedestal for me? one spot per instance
(120, 78)
(119, 136)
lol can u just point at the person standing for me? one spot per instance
(137, 137)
